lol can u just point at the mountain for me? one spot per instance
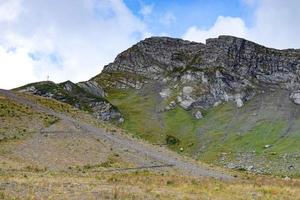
(230, 102)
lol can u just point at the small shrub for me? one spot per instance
(171, 140)
(170, 182)
(88, 166)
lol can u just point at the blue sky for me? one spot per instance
(202, 13)
(74, 39)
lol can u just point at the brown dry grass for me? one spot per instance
(141, 185)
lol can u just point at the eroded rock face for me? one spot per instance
(104, 111)
(198, 75)
(92, 87)
(87, 96)
(217, 71)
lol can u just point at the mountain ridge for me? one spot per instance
(242, 63)
(230, 102)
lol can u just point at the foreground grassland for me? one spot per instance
(139, 185)
(260, 134)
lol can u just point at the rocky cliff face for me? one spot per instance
(224, 69)
(86, 96)
(199, 75)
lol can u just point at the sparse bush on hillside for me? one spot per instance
(172, 140)
(50, 120)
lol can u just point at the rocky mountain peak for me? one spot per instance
(226, 42)
(154, 55)
(225, 68)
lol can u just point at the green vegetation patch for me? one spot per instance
(224, 130)
(139, 113)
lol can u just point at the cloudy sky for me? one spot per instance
(74, 39)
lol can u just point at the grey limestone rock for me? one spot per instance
(87, 96)
(295, 97)
(92, 87)
(216, 71)
(198, 115)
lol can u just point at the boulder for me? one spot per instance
(295, 97)
(165, 93)
(239, 102)
(198, 115)
(172, 104)
(179, 99)
(187, 90)
(186, 104)
(167, 108)
(267, 146)
(121, 120)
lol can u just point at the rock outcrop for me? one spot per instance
(87, 96)
(200, 75)
(92, 87)
(224, 69)
(295, 97)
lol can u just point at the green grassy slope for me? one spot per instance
(263, 135)
(139, 113)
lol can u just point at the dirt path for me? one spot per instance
(136, 148)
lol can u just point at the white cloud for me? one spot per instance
(223, 26)
(9, 10)
(276, 23)
(15, 67)
(66, 40)
(167, 19)
(74, 39)
(146, 10)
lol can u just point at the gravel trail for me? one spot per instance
(144, 151)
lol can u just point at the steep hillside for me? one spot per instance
(229, 101)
